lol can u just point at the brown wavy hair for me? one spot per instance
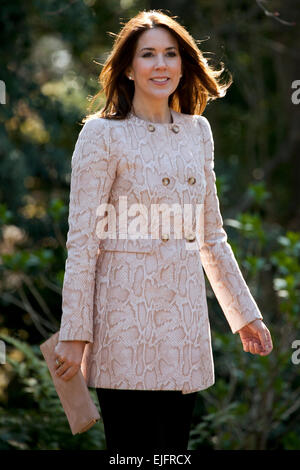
(199, 84)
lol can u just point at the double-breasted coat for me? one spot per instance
(133, 288)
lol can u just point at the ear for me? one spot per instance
(128, 73)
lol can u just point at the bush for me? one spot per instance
(33, 417)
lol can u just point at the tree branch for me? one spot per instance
(274, 14)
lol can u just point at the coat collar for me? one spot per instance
(153, 126)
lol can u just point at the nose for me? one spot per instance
(160, 61)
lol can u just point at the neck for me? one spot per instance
(160, 116)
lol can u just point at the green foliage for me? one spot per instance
(251, 406)
(57, 209)
(57, 51)
(33, 417)
(5, 214)
(254, 403)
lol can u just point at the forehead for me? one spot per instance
(157, 38)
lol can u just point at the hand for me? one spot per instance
(256, 338)
(69, 353)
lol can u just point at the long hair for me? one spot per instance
(199, 84)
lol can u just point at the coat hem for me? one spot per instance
(184, 392)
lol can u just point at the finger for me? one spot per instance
(69, 374)
(251, 347)
(270, 341)
(60, 359)
(268, 345)
(57, 365)
(257, 348)
(62, 368)
(265, 352)
(246, 345)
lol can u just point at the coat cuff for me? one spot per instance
(71, 334)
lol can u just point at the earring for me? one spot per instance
(130, 77)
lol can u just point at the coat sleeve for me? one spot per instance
(93, 173)
(217, 257)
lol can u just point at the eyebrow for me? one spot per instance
(153, 48)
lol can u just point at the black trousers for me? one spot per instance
(146, 419)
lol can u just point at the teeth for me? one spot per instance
(159, 79)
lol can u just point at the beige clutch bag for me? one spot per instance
(74, 394)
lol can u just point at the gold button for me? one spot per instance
(175, 128)
(166, 181)
(165, 238)
(190, 238)
(151, 128)
(192, 180)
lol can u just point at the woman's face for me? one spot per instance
(156, 56)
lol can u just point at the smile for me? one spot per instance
(159, 81)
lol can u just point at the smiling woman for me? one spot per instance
(140, 303)
(150, 46)
(156, 74)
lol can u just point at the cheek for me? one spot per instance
(143, 69)
(176, 66)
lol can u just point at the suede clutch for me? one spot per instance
(74, 394)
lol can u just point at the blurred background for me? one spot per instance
(51, 53)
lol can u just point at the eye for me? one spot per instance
(173, 54)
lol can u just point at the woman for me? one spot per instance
(134, 306)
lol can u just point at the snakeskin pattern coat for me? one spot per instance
(133, 289)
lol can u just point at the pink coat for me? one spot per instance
(140, 301)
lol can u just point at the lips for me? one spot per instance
(160, 82)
